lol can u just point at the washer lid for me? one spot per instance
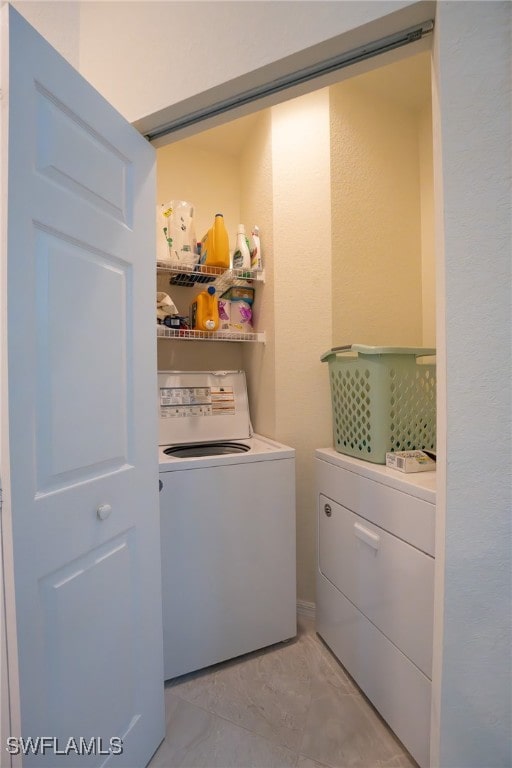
(202, 406)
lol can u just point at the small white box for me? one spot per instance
(410, 461)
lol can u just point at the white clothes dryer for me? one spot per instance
(227, 510)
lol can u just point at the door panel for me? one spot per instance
(81, 496)
(72, 153)
(68, 355)
(64, 597)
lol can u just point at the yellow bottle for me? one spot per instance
(215, 245)
(204, 312)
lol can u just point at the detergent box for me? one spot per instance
(410, 461)
(239, 293)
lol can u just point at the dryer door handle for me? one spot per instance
(160, 486)
(369, 537)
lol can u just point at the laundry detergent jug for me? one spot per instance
(204, 312)
(215, 245)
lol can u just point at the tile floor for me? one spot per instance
(289, 706)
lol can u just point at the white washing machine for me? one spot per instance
(227, 510)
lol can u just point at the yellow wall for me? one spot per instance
(208, 178)
(302, 275)
(428, 256)
(256, 206)
(376, 234)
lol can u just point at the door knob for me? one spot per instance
(103, 511)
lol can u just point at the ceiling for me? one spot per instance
(406, 82)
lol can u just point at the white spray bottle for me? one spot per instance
(256, 260)
(242, 254)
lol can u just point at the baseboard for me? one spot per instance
(306, 609)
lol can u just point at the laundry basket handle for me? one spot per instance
(332, 352)
(366, 350)
(344, 348)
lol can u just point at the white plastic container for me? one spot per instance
(256, 260)
(242, 254)
(177, 234)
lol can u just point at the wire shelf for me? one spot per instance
(185, 333)
(223, 278)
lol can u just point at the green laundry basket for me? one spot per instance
(383, 399)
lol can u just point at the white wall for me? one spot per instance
(58, 22)
(144, 56)
(472, 660)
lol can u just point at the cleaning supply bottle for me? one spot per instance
(242, 254)
(215, 245)
(256, 260)
(204, 312)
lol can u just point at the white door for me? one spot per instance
(79, 453)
